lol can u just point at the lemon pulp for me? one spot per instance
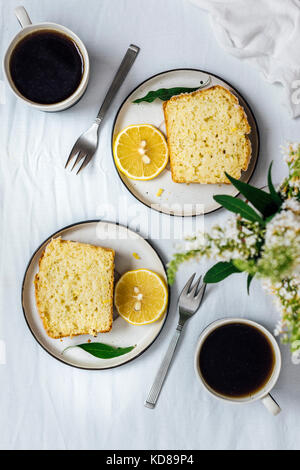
(141, 297)
(141, 152)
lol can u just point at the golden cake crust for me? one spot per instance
(174, 110)
(44, 283)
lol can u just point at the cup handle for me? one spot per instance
(271, 404)
(22, 17)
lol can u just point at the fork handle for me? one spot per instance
(163, 370)
(120, 76)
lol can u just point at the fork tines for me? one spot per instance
(80, 156)
(194, 290)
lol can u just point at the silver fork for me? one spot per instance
(189, 302)
(86, 146)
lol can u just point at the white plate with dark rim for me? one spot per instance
(125, 242)
(177, 199)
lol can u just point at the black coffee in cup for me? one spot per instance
(46, 67)
(236, 360)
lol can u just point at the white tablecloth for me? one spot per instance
(45, 404)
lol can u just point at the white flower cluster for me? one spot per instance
(287, 300)
(238, 239)
(283, 232)
(290, 151)
(291, 185)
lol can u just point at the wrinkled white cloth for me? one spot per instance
(267, 34)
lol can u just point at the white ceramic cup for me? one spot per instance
(264, 393)
(28, 28)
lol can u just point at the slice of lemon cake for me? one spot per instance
(74, 288)
(207, 135)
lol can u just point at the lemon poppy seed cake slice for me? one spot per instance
(74, 288)
(207, 135)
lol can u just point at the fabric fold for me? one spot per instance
(265, 33)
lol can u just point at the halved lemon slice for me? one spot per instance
(141, 297)
(141, 152)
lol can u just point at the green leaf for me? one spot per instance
(247, 265)
(102, 351)
(261, 200)
(249, 280)
(219, 272)
(238, 207)
(273, 192)
(268, 219)
(165, 94)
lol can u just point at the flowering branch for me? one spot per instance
(265, 244)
